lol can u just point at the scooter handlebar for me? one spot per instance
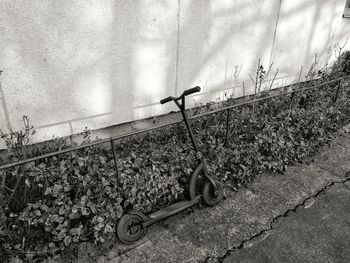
(190, 91)
(163, 101)
(185, 93)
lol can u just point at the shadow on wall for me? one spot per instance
(76, 65)
(97, 64)
(307, 29)
(286, 33)
(4, 117)
(220, 43)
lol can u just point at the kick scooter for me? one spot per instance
(132, 225)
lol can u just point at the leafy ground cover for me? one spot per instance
(57, 202)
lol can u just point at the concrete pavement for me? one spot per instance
(318, 231)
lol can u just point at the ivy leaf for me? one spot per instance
(104, 182)
(73, 216)
(85, 211)
(56, 189)
(108, 229)
(37, 212)
(75, 231)
(67, 241)
(27, 182)
(62, 210)
(61, 235)
(44, 208)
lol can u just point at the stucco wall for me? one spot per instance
(69, 64)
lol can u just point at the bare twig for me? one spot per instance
(19, 174)
(263, 76)
(17, 140)
(257, 77)
(260, 77)
(251, 78)
(339, 49)
(311, 72)
(243, 91)
(300, 72)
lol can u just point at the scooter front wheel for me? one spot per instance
(209, 196)
(130, 229)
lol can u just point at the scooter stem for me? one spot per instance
(187, 123)
(194, 143)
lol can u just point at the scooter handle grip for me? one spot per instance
(166, 100)
(193, 90)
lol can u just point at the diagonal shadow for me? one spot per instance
(4, 106)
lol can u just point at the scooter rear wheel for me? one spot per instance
(208, 193)
(195, 183)
(130, 228)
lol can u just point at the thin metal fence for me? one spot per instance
(227, 109)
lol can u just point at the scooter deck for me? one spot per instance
(169, 211)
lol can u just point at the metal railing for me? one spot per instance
(111, 140)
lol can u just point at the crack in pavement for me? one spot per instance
(276, 218)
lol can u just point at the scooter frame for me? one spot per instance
(132, 226)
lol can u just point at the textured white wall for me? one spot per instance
(74, 63)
